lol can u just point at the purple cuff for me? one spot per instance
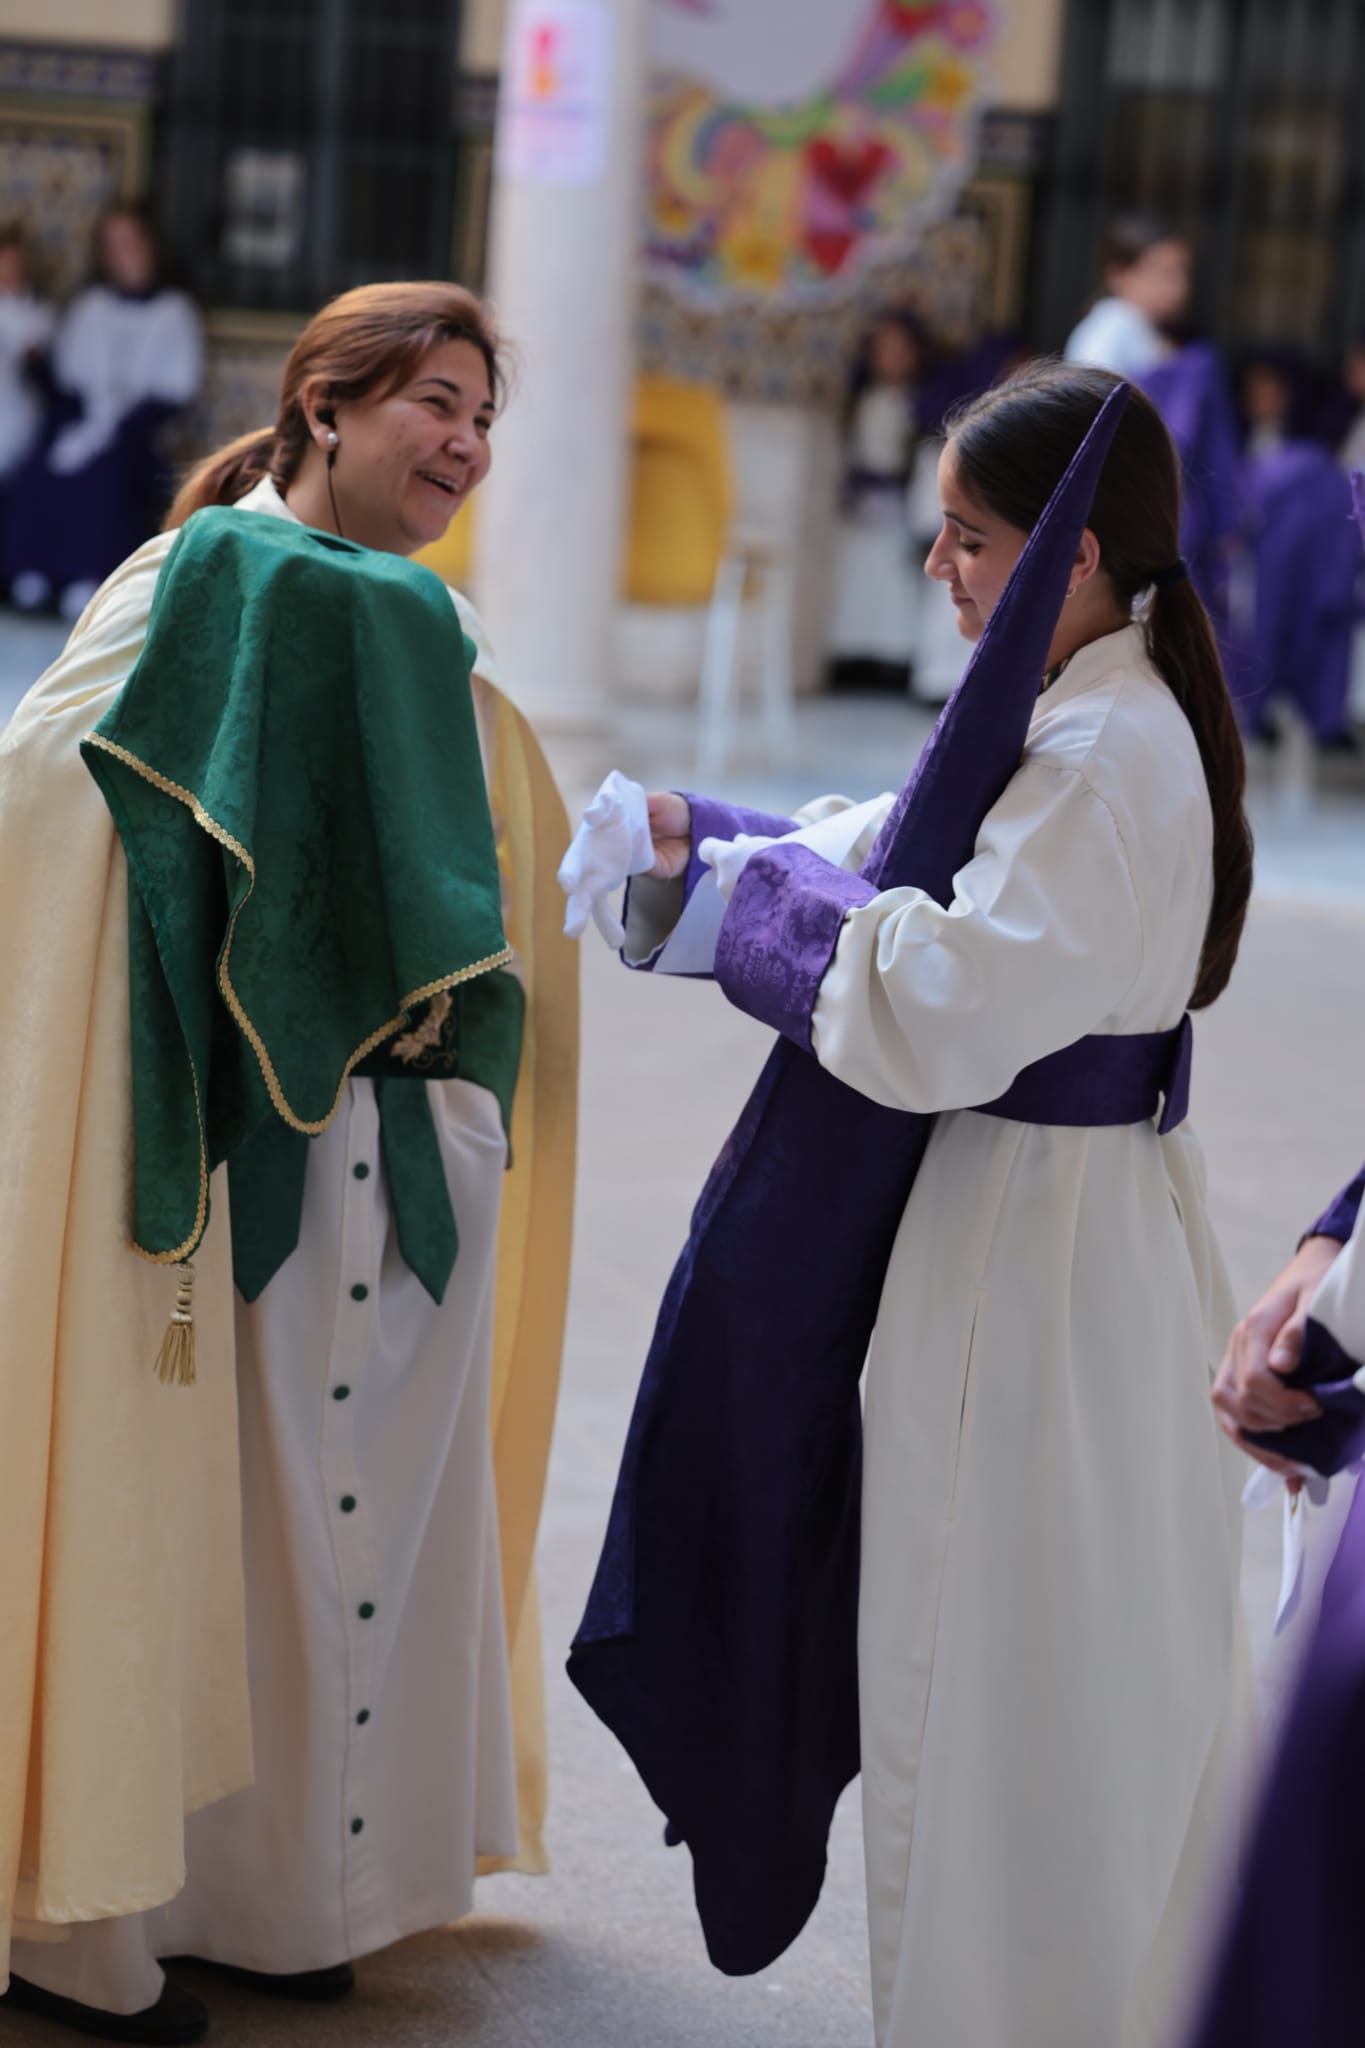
(1336, 1438)
(1338, 1219)
(780, 932)
(711, 819)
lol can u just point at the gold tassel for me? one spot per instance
(175, 1362)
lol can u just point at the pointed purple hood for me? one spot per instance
(719, 1641)
(788, 908)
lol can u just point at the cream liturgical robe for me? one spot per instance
(343, 1591)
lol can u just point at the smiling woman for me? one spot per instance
(385, 410)
(297, 857)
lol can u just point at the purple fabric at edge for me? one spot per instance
(1291, 1966)
(1297, 510)
(711, 819)
(1338, 1219)
(719, 1640)
(779, 937)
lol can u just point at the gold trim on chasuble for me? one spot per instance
(244, 1023)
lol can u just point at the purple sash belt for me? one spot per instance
(1103, 1080)
(774, 951)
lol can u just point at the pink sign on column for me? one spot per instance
(788, 149)
(555, 114)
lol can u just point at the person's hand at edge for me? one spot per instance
(1249, 1390)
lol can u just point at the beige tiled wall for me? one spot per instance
(104, 24)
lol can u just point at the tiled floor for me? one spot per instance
(605, 1953)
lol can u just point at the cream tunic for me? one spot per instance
(376, 1648)
(1049, 1625)
(1051, 1660)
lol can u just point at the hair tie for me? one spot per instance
(1164, 579)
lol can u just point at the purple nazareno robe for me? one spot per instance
(1291, 1968)
(1306, 554)
(1190, 392)
(719, 1640)
(1336, 1438)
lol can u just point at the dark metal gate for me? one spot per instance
(1243, 123)
(311, 145)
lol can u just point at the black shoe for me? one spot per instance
(177, 2017)
(313, 1987)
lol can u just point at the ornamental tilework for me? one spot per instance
(75, 128)
(804, 357)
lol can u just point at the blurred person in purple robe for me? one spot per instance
(1293, 644)
(26, 324)
(126, 359)
(1291, 1963)
(1134, 329)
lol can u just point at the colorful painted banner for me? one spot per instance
(792, 144)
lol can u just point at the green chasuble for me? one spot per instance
(294, 772)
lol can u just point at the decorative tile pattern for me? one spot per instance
(803, 358)
(75, 129)
(69, 71)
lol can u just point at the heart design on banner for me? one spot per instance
(784, 171)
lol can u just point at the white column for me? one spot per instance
(563, 278)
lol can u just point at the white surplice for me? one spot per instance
(1050, 1648)
(377, 1655)
(115, 351)
(878, 583)
(1117, 335)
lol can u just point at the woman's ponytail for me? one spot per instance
(1184, 653)
(1013, 445)
(225, 477)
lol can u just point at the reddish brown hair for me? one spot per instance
(364, 345)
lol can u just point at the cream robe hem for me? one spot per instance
(130, 1709)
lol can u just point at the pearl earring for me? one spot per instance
(332, 438)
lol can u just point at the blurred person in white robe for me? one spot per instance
(1146, 290)
(878, 581)
(126, 360)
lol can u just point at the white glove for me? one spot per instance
(612, 844)
(78, 444)
(728, 857)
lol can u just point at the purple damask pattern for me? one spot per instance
(788, 908)
(719, 1641)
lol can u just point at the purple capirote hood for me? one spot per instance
(783, 923)
(719, 1641)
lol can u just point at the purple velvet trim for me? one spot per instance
(1338, 1219)
(780, 931)
(1291, 1962)
(719, 1641)
(1297, 510)
(1335, 1438)
(1105, 1080)
(711, 819)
